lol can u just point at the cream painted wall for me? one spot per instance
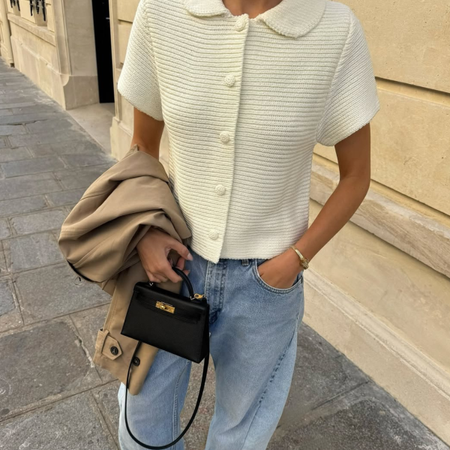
(380, 289)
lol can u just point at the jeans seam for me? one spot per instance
(272, 376)
(222, 285)
(206, 287)
(175, 403)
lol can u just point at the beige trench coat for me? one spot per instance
(98, 240)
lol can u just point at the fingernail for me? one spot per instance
(190, 257)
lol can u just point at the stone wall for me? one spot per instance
(58, 53)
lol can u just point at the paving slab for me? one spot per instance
(32, 251)
(3, 267)
(367, 418)
(88, 323)
(37, 108)
(32, 165)
(67, 293)
(24, 117)
(42, 364)
(18, 102)
(44, 137)
(41, 221)
(14, 154)
(87, 160)
(10, 315)
(80, 146)
(17, 82)
(6, 130)
(321, 373)
(106, 398)
(6, 297)
(25, 205)
(4, 229)
(51, 126)
(28, 185)
(72, 424)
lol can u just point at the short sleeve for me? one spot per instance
(353, 99)
(138, 81)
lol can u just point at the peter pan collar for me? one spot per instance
(292, 18)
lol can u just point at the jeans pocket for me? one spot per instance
(298, 282)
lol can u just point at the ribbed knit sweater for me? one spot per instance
(245, 100)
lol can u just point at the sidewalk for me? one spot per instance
(52, 396)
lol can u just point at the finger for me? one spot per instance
(170, 274)
(180, 263)
(181, 249)
(153, 277)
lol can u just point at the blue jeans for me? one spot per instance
(253, 345)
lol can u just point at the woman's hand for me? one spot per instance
(281, 271)
(153, 250)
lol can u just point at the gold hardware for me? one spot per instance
(199, 296)
(165, 307)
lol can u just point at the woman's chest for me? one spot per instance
(269, 82)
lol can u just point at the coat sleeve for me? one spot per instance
(353, 99)
(99, 253)
(99, 236)
(138, 80)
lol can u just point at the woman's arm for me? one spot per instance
(147, 133)
(353, 154)
(154, 247)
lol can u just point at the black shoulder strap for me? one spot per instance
(205, 371)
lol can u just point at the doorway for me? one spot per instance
(102, 33)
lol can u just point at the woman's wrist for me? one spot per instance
(292, 261)
(304, 262)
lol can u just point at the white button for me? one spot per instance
(213, 234)
(224, 136)
(220, 189)
(240, 23)
(229, 80)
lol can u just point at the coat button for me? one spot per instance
(136, 361)
(114, 350)
(229, 80)
(225, 136)
(220, 189)
(240, 23)
(213, 234)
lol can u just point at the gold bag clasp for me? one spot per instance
(165, 307)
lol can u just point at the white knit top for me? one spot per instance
(244, 101)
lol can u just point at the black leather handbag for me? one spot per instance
(171, 322)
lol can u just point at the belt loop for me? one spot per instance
(244, 262)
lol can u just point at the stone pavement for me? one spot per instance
(51, 395)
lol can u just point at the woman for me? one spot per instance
(246, 88)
